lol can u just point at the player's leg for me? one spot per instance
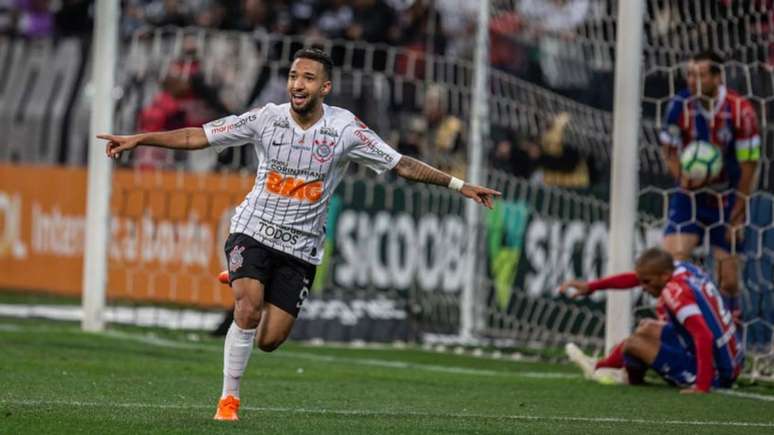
(682, 233)
(275, 328)
(681, 245)
(641, 349)
(613, 360)
(645, 341)
(285, 294)
(728, 279)
(617, 368)
(723, 240)
(648, 329)
(249, 266)
(671, 359)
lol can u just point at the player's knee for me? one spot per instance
(247, 314)
(647, 328)
(632, 344)
(269, 344)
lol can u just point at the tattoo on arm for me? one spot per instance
(415, 170)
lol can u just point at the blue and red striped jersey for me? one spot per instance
(691, 292)
(731, 125)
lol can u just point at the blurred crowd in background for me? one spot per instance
(530, 41)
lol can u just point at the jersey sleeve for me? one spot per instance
(671, 131)
(702, 341)
(621, 281)
(679, 300)
(233, 130)
(748, 139)
(367, 148)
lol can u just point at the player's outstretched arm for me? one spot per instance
(191, 138)
(416, 170)
(620, 281)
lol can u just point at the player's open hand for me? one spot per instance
(482, 195)
(118, 144)
(581, 287)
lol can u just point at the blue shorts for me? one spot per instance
(709, 213)
(677, 361)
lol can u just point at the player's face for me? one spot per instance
(653, 281)
(700, 79)
(307, 85)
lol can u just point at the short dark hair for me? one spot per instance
(316, 55)
(656, 258)
(715, 60)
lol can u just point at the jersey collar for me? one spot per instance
(313, 126)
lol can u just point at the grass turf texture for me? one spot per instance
(57, 379)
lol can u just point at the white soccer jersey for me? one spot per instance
(297, 173)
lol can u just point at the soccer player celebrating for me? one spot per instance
(693, 344)
(708, 111)
(276, 237)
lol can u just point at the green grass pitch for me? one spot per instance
(56, 379)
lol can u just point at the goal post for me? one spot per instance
(105, 41)
(478, 127)
(623, 180)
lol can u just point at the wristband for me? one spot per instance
(456, 184)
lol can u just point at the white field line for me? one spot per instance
(747, 395)
(373, 413)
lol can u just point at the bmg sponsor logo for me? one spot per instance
(295, 188)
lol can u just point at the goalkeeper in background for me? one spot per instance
(708, 111)
(694, 342)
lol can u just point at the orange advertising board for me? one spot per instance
(166, 232)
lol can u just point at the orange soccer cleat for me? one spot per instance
(227, 409)
(223, 277)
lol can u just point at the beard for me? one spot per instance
(305, 108)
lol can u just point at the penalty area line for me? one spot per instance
(373, 413)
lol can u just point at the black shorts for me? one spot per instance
(286, 279)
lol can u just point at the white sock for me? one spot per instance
(236, 353)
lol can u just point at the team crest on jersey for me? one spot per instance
(235, 258)
(327, 131)
(281, 123)
(323, 149)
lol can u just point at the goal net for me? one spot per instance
(576, 46)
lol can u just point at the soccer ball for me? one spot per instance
(701, 161)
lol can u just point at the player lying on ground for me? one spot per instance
(709, 111)
(304, 148)
(692, 345)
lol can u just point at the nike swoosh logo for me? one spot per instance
(277, 144)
